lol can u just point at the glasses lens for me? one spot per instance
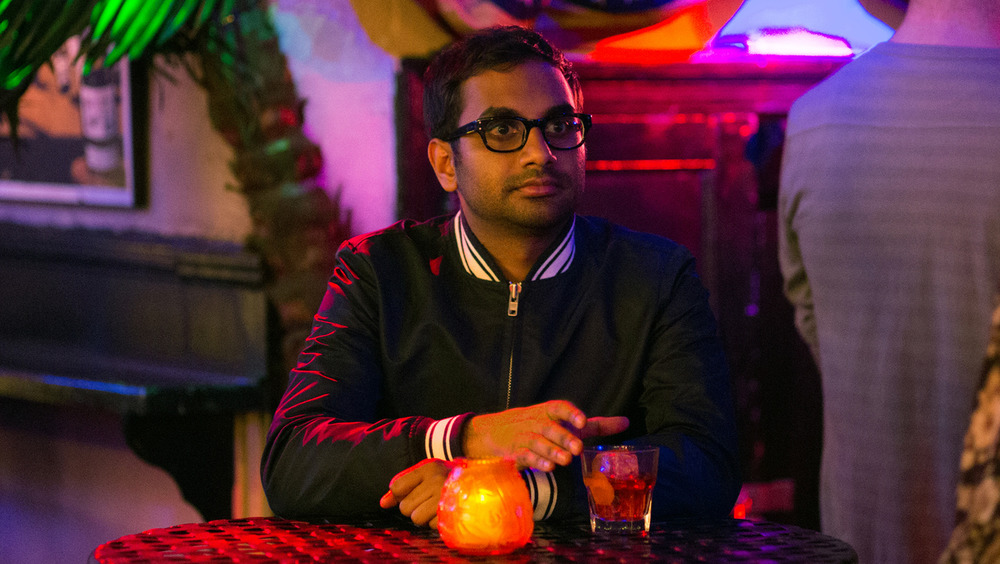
(564, 132)
(503, 134)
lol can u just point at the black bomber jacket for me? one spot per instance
(417, 333)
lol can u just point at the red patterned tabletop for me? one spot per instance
(283, 541)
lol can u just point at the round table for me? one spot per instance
(270, 539)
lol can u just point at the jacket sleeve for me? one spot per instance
(687, 401)
(796, 283)
(326, 453)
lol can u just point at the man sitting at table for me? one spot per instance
(511, 328)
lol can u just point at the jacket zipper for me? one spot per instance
(515, 294)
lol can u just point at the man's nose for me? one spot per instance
(536, 149)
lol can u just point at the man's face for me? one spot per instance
(533, 190)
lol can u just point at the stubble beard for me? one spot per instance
(543, 213)
(506, 208)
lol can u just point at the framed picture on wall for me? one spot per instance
(77, 137)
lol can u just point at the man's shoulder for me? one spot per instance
(828, 98)
(605, 236)
(636, 262)
(894, 83)
(405, 232)
(843, 93)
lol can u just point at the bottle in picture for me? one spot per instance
(99, 120)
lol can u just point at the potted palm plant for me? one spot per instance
(230, 47)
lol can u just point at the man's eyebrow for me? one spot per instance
(499, 111)
(504, 111)
(561, 109)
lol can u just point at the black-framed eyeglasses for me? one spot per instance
(508, 134)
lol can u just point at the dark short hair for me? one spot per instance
(499, 48)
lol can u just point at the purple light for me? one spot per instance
(797, 41)
(813, 28)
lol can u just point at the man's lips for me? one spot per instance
(543, 186)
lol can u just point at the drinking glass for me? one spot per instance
(619, 481)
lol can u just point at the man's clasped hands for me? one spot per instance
(539, 436)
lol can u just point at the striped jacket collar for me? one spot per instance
(475, 263)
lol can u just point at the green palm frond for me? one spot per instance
(31, 31)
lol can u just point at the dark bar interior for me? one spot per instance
(159, 270)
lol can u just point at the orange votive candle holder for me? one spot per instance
(485, 508)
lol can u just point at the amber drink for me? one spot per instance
(619, 481)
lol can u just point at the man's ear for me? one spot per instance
(443, 162)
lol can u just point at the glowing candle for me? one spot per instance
(485, 508)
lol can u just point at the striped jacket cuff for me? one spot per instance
(444, 437)
(543, 491)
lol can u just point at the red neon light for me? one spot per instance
(653, 119)
(652, 164)
(673, 40)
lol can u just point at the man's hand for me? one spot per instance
(539, 436)
(417, 491)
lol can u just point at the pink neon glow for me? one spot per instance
(796, 41)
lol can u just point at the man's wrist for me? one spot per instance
(470, 437)
(443, 439)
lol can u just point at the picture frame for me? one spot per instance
(77, 137)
